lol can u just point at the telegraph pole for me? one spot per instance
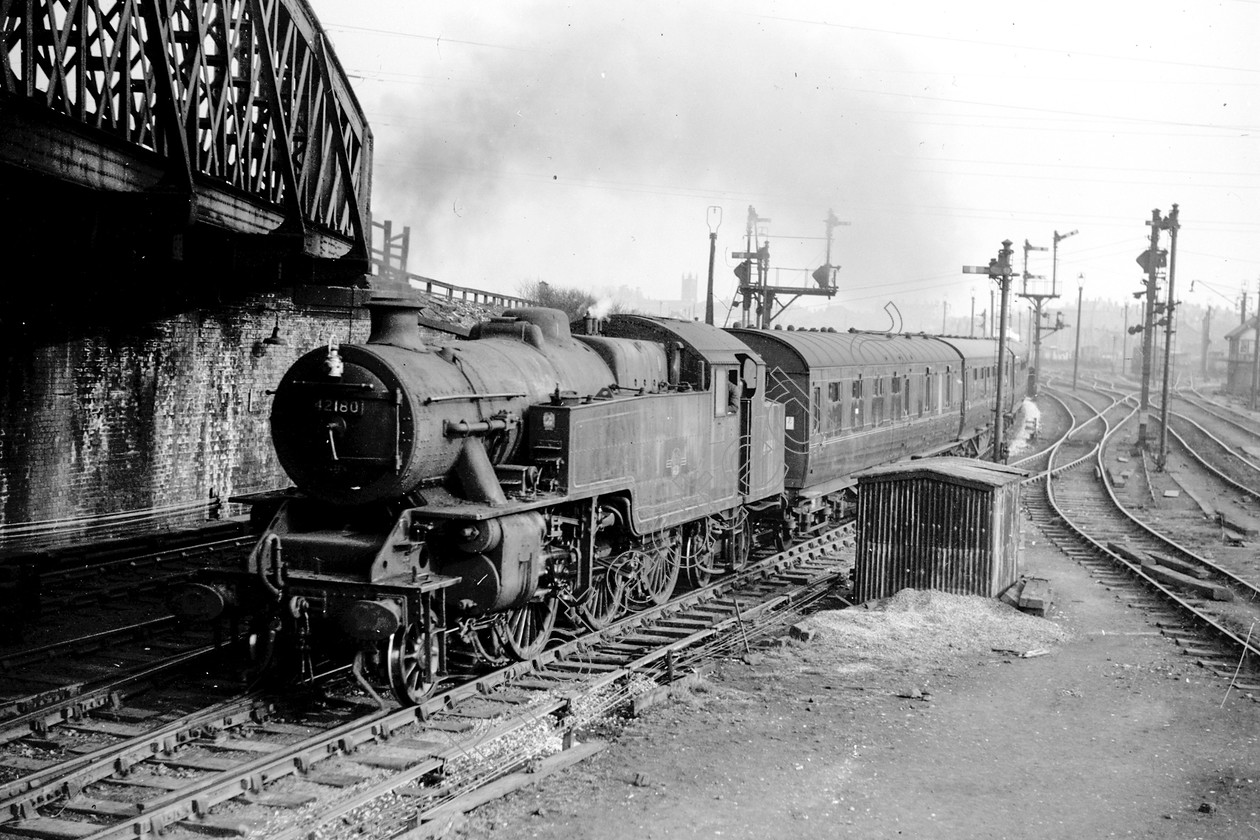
(1076, 354)
(1206, 342)
(1255, 355)
(1171, 225)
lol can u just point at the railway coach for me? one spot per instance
(859, 399)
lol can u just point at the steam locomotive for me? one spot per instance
(467, 497)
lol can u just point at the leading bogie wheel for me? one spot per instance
(411, 662)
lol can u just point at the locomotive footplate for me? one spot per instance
(366, 611)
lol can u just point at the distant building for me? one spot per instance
(1241, 362)
(690, 287)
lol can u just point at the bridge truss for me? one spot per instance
(226, 119)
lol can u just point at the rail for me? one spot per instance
(49, 533)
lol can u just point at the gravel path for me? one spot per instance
(923, 730)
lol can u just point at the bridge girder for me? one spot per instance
(228, 114)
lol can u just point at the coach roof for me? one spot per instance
(715, 345)
(796, 350)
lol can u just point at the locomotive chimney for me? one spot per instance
(394, 322)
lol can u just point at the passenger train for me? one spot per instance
(466, 497)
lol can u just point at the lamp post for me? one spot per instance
(715, 221)
(1076, 354)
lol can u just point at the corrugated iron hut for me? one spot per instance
(950, 524)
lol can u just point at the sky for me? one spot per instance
(584, 143)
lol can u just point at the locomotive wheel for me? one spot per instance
(739, 540)
(696, 558)
(407, 662)
(261, 645)
(526, 630)
(601, 604)
(657, 572)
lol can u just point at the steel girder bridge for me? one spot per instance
(216, 132)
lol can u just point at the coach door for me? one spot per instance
(747, 372)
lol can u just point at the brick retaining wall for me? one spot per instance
(158, 416)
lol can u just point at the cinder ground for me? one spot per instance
(1113, 733)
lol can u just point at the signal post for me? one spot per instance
(1151, 260)
(998, 269)
(754, 270)
(1039, 298)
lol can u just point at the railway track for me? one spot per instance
(1209, 611)
(1242, 423)
(71, 692)
(114, 586)
(347, 766)
(55, 685)
(1229, 460)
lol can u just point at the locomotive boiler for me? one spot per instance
(465, 495)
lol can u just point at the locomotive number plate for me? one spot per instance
(339, 406)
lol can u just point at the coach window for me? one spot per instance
(877, 401)
(817, 408)
(925, 399)
(949, 386)
(855, 400)
(835, 410)
(896, 413)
